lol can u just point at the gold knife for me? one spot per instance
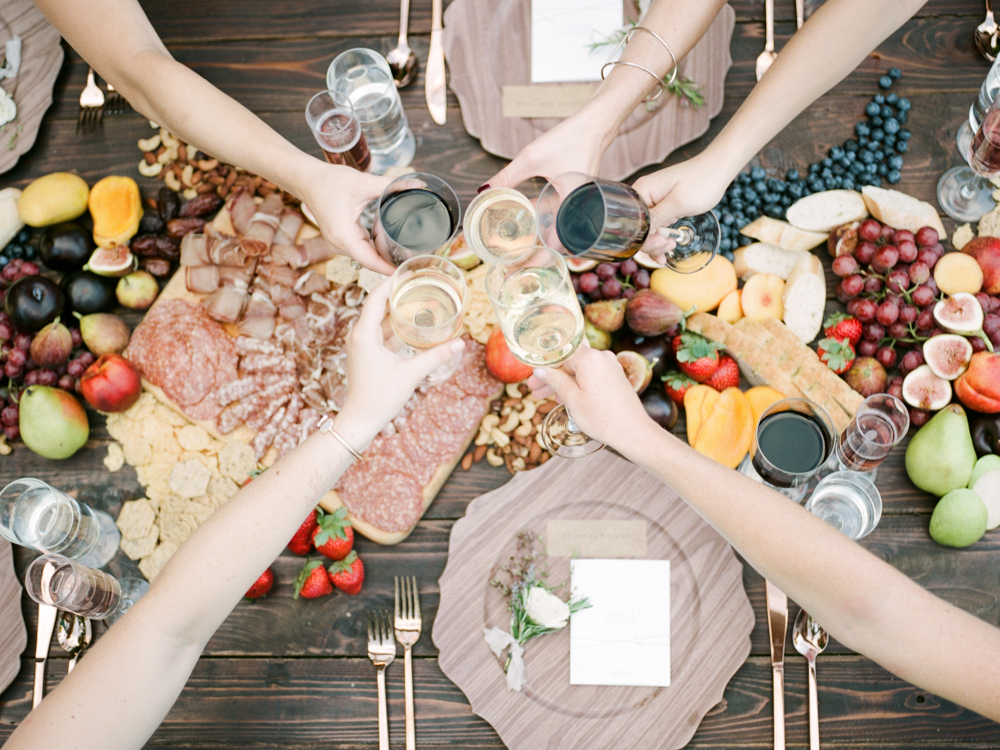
(777, 624)
(434, 77)
(46, 624)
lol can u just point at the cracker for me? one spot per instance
(340, 270)
(136, 549)
(194, 437)
(220, 489)
(115, 458)
(159, 434)
(168, 415)
(176, 525)
(189, 478)
(137, 451)
(136, 519)
(152, 564)
(199, 509)
(237, 461)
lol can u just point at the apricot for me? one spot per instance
(761, 297)
(698, 404)
(703, 289)
(958, 272)
(730, 309)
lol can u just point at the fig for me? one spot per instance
(606, 315)
(866, 376)
(137, 291)
(87, 293)
(644, 260)
(103, 333)
(33, 302)
(597, 338)
(948, 355)
(65, 247)
(638, 369)
(660, 408)
(649, 313)
(843, 240)
(654, 348)
(925, 390)
(111, 261)
(52, 345)
(580, 265)
(52, 422)
(962, 313)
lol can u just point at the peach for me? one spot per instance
(730, 309)
(958, 272)
(703, 289)
(979, 386)
(761, 297)
(986, 251)
(760, 398)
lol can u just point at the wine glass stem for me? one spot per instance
(681, 235)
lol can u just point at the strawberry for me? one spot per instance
(253, 475)
(334, 536)
(697, 357)
(262, 585)
(348, 574)
(726, 375)
(312, 581)
(302, 541)
(839, 326)
(837, 355)
(675, 385)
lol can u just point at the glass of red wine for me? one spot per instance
(586, 217)
(963, 192)
(878, 426)
(418, 214)
(793, 439)
(337, 130)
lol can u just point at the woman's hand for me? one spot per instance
(595, 390)
(686, 189)
(337, 195)
(380, 382)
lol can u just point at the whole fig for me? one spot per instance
(52, 345)
(649, 313)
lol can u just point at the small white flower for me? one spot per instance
(546, 609)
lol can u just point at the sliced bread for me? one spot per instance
(760, 257)
(782, 234)
(804, 298)
(900, 210)
(821, 212)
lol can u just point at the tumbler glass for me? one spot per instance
(878, 426)
(848, 501)
(336, 128)
(68, 585)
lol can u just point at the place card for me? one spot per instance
(624, 637)
(561, 34)
(595, 538)
(547, 100)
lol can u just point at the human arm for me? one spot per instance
(831, 44)
(862, 601)
(116, 38)
(122, 689)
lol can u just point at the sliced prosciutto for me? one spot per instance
(226, 304)
(202, 279)
(263, 225)
(241, 207)
(259, 319)
(289, 226)
(194, 250)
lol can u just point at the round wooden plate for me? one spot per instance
(488, 46)
(711, 618)
(13, 636)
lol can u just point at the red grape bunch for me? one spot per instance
(610, 281)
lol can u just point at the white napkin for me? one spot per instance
(562, 32)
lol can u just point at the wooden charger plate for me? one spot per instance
(488, 46)
(13, 636)
(711, 617)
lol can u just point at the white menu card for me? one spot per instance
(562, 32)
(624, 638)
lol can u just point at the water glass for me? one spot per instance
(363, 75)
(848, 501)
(878, 426)
(418, 214)
(336, 128)
(38, 516)
(71, 586)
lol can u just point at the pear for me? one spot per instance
(959, 519)
(940, 456)
(52, 422)
(104, 333)
(983, 465)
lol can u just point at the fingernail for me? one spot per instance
(457, 345)
(539, 373)
(481, 188)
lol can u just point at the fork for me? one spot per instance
(91, 105)
(407, 624)
(116, 103)
(382, 651)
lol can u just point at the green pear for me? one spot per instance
(940, 456)
(52, 422)
(984, 464)
(959, 519)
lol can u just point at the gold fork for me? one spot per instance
(382, 651)
(91, 105)
(116, 103)
(407, 628)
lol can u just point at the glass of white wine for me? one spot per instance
(542, 322)
(426, 306)
(499, 226)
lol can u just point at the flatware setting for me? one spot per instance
(46, 625)
(777, 624)
(986, 35)
(382, 652)
(434, 78)
(74, 633)
(91, 105)
(766, 57)
(810, 640)
(407, 628)
(402, 60)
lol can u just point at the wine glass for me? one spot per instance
(542, 322)
(418, 214)
(587, 217)
(55, 581)
(336, 128)
(963, 192)
(499, 226)
(879, 424)
(427, 302)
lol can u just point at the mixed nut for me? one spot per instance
(509, 433)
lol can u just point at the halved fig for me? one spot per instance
(638, 369)
(112, 261)
(962, 313)
(580, 265)
(948, 355)
(647, 262)
(925, 390)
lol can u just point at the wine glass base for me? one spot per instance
(133, 589)
(796, 494)
(703, 235)
(560, 440)
(108, 539)
(970, 205)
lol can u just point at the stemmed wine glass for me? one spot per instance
(55, 581)
(879, 424)
(542, 322)
(586, 217)
(418, 214)
(963, 192)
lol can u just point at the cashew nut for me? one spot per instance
(207, 165)
(528, 411)
(518, 464)
(538, 439)
(524, 430)
(150, 170)
(168, 139)
(189, 194)
(493, 459)
(186, 175)
(165, 156)
(172, 182)
(483, 438)
(512, 391)
(500, 438)
(149, 144)
(511, 423)
(490, 420)
(191, 151)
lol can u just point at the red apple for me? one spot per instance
(986, 251)
(501, 363)
(111, 384)
(979, 386)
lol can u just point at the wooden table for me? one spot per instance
(287, 673)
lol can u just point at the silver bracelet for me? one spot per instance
(661, 85)
(326, 425)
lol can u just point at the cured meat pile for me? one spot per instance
(179, 348)
(259, 278)
(387, 488)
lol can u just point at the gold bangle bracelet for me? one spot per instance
(326, 425)
(661, 84)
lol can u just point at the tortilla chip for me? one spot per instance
(115, 459)
(136, 519)
(136, 549)
(152, 564)
(194, 438)
(189, 478)
(237, 461)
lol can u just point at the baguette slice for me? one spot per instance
(804, 299)
(782, 234)
(821, 212)
(900, 210)
(760, 257)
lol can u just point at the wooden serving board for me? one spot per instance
(41, 58)
(13, 636)
(488, 46)
(711, 617)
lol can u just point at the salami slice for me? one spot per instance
(472, 375)
(259, 419)
(236, 414)
(207, 408)
(249, 345)
(287, 436)
(263, 439)
(236, 390)
(270, 363)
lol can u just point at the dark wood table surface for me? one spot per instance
(288, 673)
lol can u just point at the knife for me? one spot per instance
(777, 623)
(46, 624)
(434, 78)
